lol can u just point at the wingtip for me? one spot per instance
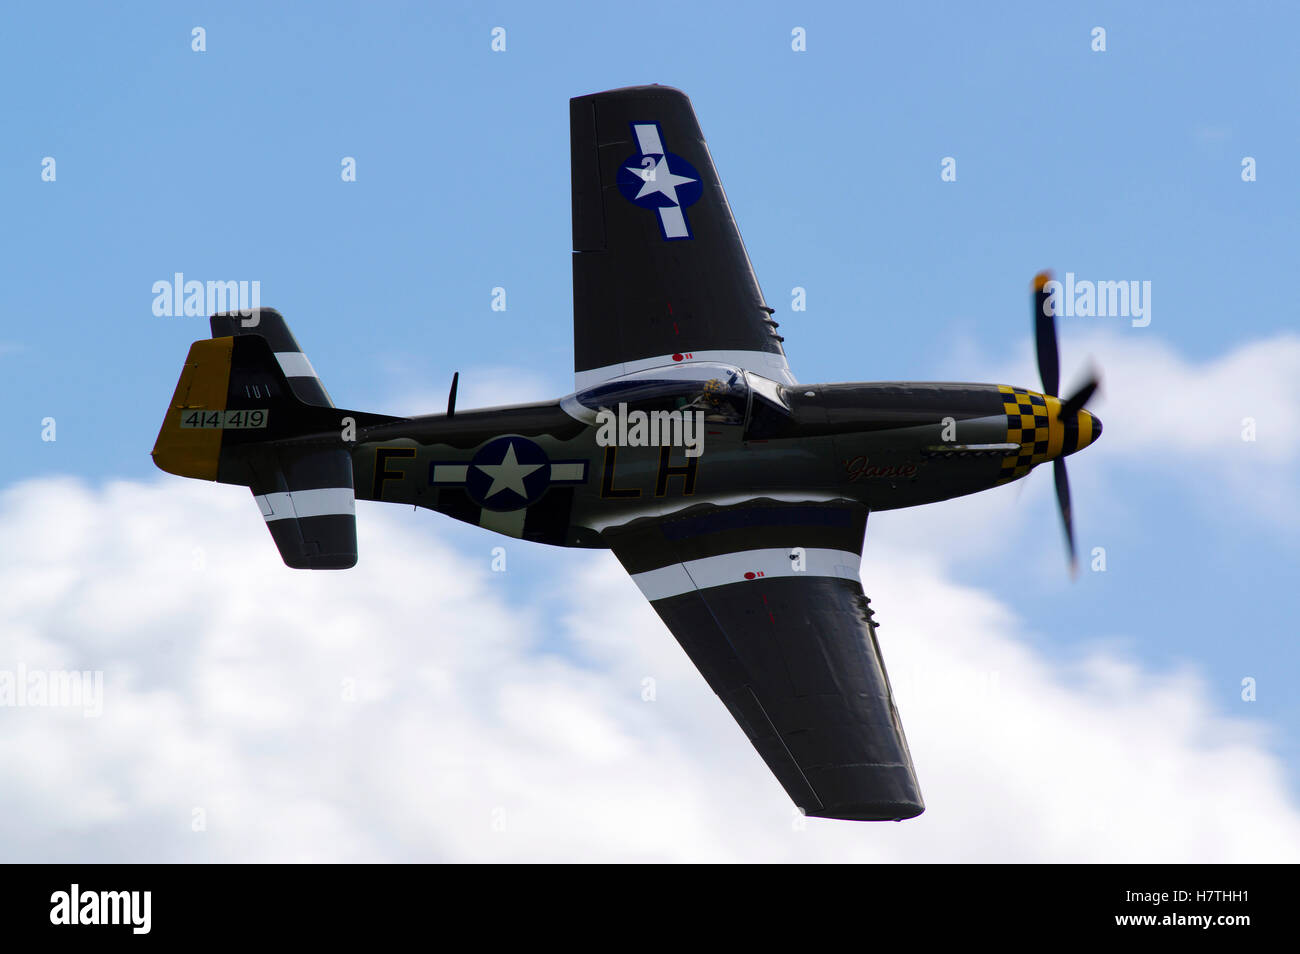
(630, 90)
(877, 811)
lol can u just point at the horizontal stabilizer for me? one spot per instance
(305, 495)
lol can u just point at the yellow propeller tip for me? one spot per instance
(1041, 280)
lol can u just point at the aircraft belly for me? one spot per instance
(557, 486)
(908, 466)
(634, 482)
(516, 485)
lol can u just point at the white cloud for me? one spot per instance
(1167, 413)
(225, 679)
(1165, 402)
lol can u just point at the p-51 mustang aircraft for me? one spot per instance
(735, 497)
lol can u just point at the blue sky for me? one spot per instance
(1117, 165)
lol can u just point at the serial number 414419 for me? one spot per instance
(225, 420)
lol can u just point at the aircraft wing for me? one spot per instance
(660, 274)
(765, 598)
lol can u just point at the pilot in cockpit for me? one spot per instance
(718, 402)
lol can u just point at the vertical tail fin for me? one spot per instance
(270, 324)
(248, 409)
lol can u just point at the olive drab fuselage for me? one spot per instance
(546, 472)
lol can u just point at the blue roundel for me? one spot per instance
(659, 181)
(508, 473)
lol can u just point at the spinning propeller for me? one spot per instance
(1049, 369)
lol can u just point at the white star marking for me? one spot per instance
(659, 179)
(509, 474)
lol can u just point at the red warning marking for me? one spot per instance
(751, 575)
(677, 357)
(675, 331)
(670, 308)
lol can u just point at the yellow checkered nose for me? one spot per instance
(1034, 424)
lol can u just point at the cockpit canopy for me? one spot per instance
(725, 393)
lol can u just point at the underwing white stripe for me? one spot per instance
(326, 501)
(665, 507)
(666, 581)
(294, 364)
(766, 363)
(726, 568)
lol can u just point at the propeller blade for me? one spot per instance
(1063, 501)
(1049, 369)
(1075, 402)
(1049, 357)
